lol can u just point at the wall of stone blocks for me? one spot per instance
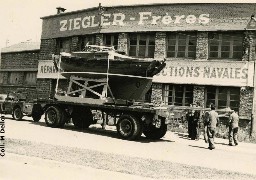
(43, 88)
(156, 96)
(123, 42)
(202, 46)
(160, 45)
(99, 39)
(246, 103)
(19, 60)
(198, 95)
(47, 48)
(75, 44)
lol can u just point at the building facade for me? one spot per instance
(19, 65)
(209, 49)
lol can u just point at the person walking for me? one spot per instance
(190, 119)
(233, 128)
(195, 124)
(212, 120)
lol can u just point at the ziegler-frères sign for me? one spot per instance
(207, 73)
(121, 19)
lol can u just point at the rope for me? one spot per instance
(107, 77)
(58, 76)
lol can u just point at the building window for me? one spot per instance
(64, 45)
(181, 45)
(225, 45)
(111, 40)
(180, 95)
(88, 40)
(142, 45)
(15, 78)
(223, 97)
(30, 78)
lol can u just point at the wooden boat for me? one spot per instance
(126, 77)
(99, 60)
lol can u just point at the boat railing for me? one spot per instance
(96, 48)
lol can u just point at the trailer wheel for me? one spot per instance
(151, 132)
(82, 117)
(17, 113)
(53, 116)
(129, 127)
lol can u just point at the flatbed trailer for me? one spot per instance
(130, 120)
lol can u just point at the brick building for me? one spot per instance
(19, 64)
(209, 48)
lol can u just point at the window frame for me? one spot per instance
(166, 94)
(60, 44)
(177, 44)
(138, 38)
(26, 82)
(231, 45)
(217, 94)
(112, 40)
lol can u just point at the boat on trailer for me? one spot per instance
(99, 60)
(102, 71)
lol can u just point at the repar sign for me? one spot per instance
(121, 19)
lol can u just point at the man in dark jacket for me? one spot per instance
(213, 119)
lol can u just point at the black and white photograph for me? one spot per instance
(127, 90)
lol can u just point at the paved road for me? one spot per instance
(14, 167)
(172, 148)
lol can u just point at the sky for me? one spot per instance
(20, 19)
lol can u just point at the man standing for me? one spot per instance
(233, 128)
(213, 119)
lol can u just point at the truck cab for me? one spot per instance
(10, 104)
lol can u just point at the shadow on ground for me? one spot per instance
(96, 130)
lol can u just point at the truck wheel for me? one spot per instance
(129, 127)
(53, 116)
(151, 132)
(82, 117)
(17, 113)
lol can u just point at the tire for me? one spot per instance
(17, 113)
(151, 132)
(129, 127)
(53, 116)
(82, 117)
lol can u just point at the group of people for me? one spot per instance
(210, 122)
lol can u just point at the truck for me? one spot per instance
(18, 105)
(130, 118)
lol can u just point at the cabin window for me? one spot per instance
(142, 45)
(223, 97)
(181, 45)
(64, 45)
(225, 45)
(111, 40)
(179, 95)
(30, 78)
